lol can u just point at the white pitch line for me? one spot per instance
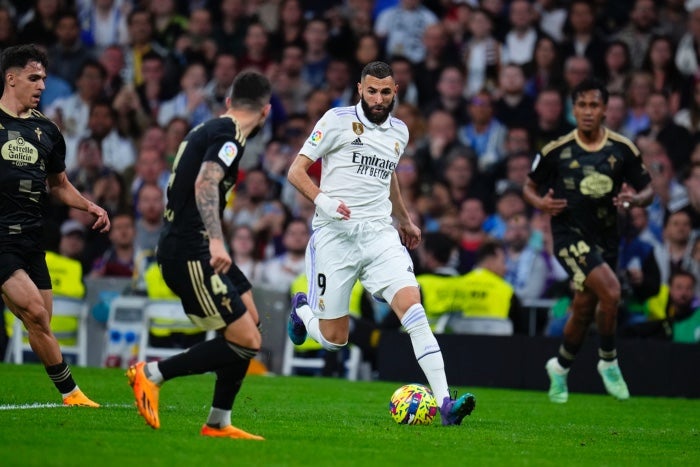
(38, 405)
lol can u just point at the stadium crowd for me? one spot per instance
(483, 86)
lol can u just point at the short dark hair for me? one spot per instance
(251, 90)
(488, 249)
(19, 56)
(439, 245)
(377, 69)
(682, 273)
(590, 84)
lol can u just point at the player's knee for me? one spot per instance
(332, 343)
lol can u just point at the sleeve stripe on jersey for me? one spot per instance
(344, 111)
(556, 143)
(396, 121)
(624, 140)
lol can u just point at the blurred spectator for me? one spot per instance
(508, 203)
(438, 54)
(191, 102)
(41, 26)
(439, 144)
(196, 44)
(72, 242)
(576, 69)
(318, 102)
(118, 152)
(471, 219)
(674, 138)
(317, 56)
(153, 90)
(673, 18)
(528, 268)
(550, 123)
(666, 78)
(692, 185)
(483, 54)
(519, 42)
(514, 106)
(637, 33)
(256, 54)
(517, 166)
(242, 244)
(486, 294)
(680, 308)
(583, 37)
(402, 28)
(231, 25)
(153, 138)
(618, 66)
(218, 88)
(450, 95)
(545, 69)
(499, 13)
(676, 254)
(689, 116)
(669, 193)
(276, 160)
(8, 28)
(552, 18)
(339, 83)
(112, 58)
(638, 91)
(255, 207)
(279, 272)
(484, 133)
(367, 49)
(290, 26)
(412, 116)
(141, 41)
(71, 113)
(463, 180)
(168, 23)
(89, 167)
(67, 53)
(149, 214)
(175, 132)
(104, 23)
(111, 193)
(616, 115)
(150, 169)
(118, 260)
(407, 176)
(403, 77)
(289, 85)
(686, 55)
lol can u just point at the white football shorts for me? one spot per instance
(336, 258)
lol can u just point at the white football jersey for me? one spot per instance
(358, 159)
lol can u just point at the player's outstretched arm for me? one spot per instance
(298, 176)
(64, 191)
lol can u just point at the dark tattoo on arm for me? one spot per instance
(206, 192)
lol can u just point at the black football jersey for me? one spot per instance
(588, 178)
(218, 140)
(31, 147)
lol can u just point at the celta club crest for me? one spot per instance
(358, 128)
(38, 133)
(611, 161)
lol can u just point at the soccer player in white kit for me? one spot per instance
(353, 235)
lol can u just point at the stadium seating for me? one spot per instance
(74, 345)
(456, 323)
(294, 360)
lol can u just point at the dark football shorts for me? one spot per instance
(32, 261)
(580, 256)
(211, 301)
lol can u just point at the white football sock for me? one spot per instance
(153, 373)
(427, 350)
(313, 329)
(219, 418)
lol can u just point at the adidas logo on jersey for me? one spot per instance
(357, 142)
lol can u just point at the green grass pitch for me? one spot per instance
(331, 422)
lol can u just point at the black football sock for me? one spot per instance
(62, 378)
(206, 356)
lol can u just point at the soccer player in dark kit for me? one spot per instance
(581, 180)
(196, 265)
(33, 156)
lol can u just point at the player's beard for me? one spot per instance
(377, 119)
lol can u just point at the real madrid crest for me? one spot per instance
(358, 128)
(397, 149)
